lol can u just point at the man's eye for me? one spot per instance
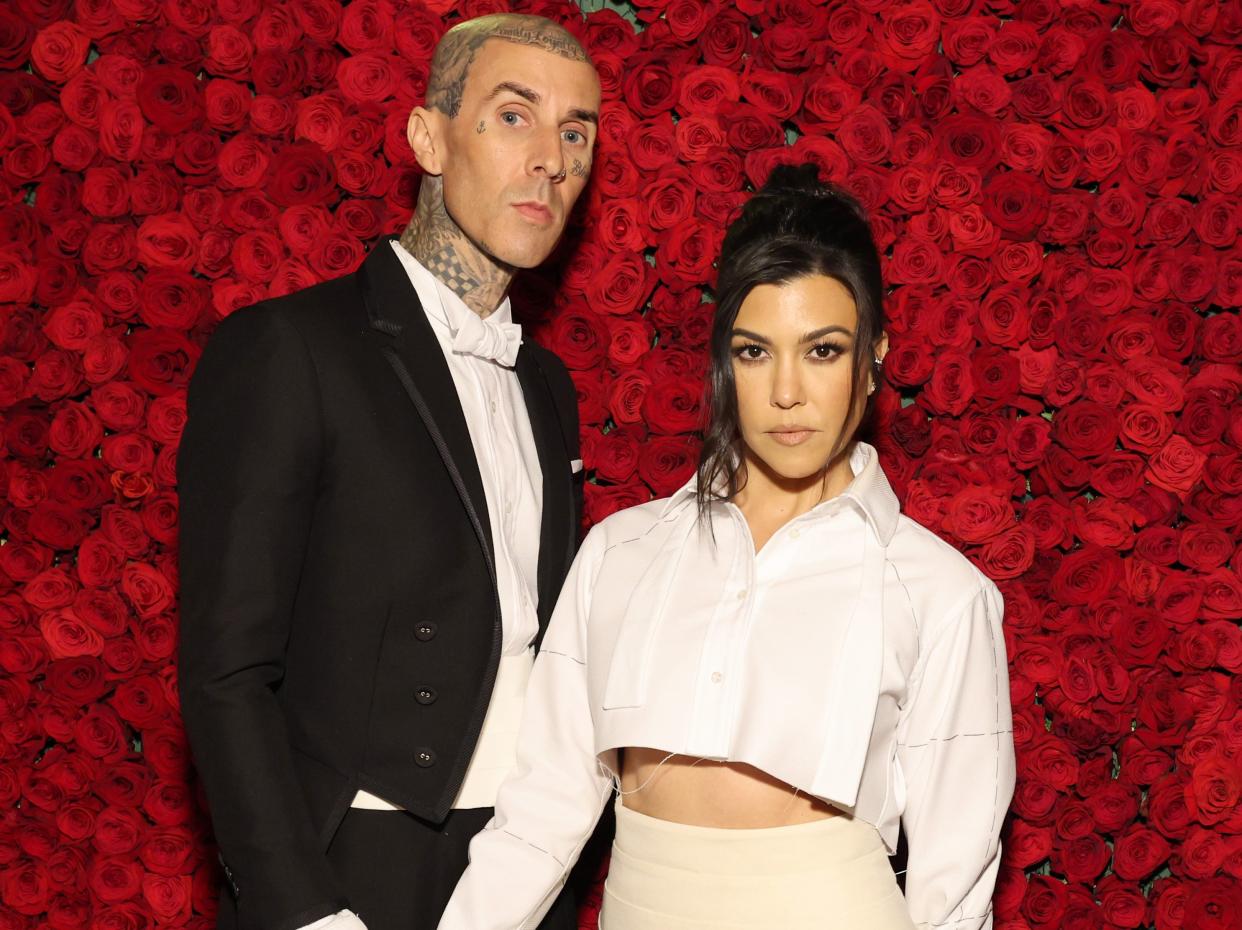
(572, 136)
(509, 119)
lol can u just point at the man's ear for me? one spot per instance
(425, 132)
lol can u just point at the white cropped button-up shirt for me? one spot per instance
(857, 657)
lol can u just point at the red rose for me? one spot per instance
(706, 89)
(161, 360)
(59, 51)
(666, 462)
(1213, 904)
(601, 501)
(168, 896)
(115, 879)
(629, 340)
(1082, 859)
(300, 173)
(1045, 901)
(670, 200)
(1139, 852)
(621, 228)
(168, 803)
(118, 831)
(1086, 575)
(146, 589)
(166, 750)
(170, 98)
(674, 405)
(1176, 466)
(577, 336)
(865, 135)
(615, 456)
(621, 285)
(1214, 790)
(102, 610)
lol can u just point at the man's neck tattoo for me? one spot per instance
(443, 249)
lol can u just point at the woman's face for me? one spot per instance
(793, 363)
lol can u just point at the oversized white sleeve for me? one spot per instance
(955, 749)
(549, 804)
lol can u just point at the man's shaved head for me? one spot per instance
(457, 49)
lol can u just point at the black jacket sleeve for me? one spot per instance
(247, 469)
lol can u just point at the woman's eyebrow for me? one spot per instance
(825, 330)
(748, 334)
(806, 337)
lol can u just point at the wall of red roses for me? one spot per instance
(1054, 186)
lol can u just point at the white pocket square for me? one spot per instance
(575, 465)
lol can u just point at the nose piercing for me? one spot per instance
(559, 177)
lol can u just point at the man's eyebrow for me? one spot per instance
(513, 87)
(587, 116)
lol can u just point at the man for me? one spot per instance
(379, 505)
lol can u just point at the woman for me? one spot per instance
(773, 664)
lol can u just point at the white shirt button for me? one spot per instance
(794, 533)
(717, 678)
(741, 595)
(492, 404)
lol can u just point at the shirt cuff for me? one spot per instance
(341, 920)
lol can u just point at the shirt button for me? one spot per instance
(425, 758)
(425, 696)
(741, 595)
(492, 404)
(794, 533)
(425, 631)
(717, 678)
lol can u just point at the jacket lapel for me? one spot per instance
(556, 532)
(410, 347)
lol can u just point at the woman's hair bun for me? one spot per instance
(802, 179)
(800, 182)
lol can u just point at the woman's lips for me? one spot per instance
(791, 437)
(534, 211)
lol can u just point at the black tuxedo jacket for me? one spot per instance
(340, 620)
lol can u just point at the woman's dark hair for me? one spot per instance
(793, 227)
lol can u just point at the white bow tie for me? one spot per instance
(487, 339)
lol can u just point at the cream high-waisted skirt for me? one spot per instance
(830, 874)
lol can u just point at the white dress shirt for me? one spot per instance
(495, 410)
(857, 657)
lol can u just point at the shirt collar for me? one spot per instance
(441, 304)
(869, 491)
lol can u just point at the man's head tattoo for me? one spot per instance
(456, 51)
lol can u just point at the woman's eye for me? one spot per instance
(826, 350)
(749, 353)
